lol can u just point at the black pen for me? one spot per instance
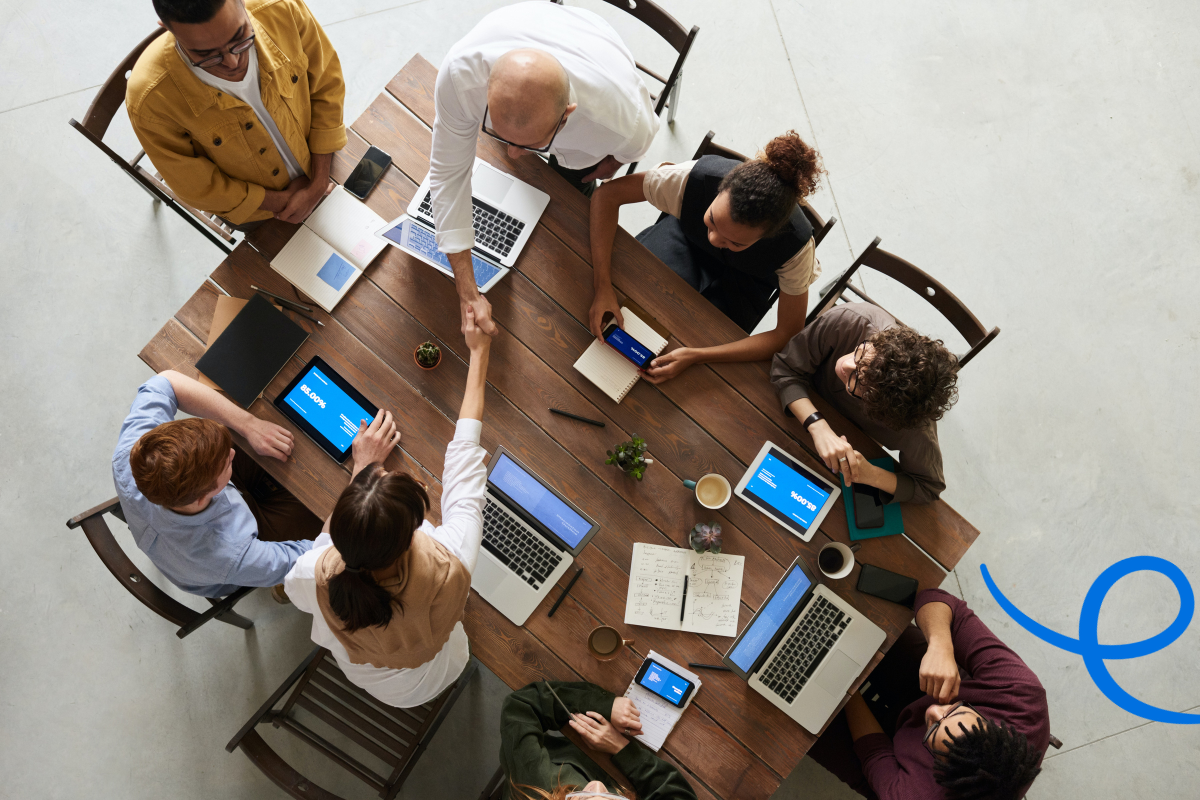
(563, 596)
(710, 666)
(597, 423)
(683, 605)
(296, 306)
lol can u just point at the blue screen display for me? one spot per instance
(770, 619)
(420, 240)
(664, 683)
(327, 408)
(779, 485)
(539, 502)
(629, 347)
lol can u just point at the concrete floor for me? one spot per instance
(1041, 159)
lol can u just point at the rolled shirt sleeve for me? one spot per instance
(450, 161)
(663, 186)
(800, 271)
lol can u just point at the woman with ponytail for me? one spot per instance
(733, 230)
(385, 587)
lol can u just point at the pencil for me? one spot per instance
(306, 316)
(563, 596)
(710, 666)
(292, 303)
(595, 422)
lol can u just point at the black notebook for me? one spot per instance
(251, 351)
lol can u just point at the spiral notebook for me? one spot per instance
(657, 715)
(610, 370)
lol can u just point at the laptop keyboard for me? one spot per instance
(799, 655)
(493, 228)
(521, 551)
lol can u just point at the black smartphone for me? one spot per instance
(627, 346)
(868, 507)
(367, 173)
(883, 583)
(673, 688)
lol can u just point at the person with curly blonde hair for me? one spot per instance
(885, 377)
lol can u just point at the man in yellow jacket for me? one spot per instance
(239, 106)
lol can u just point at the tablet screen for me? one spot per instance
(328, 409)
(794, 492)
(539, 502)
(422, 242)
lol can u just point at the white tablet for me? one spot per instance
(417, 240)
(787, 491)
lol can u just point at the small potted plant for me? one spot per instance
(705, 537)
(630, 457)
(427, 355)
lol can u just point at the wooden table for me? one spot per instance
(731, 742)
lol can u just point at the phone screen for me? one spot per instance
(868, 507)
(888, 585)
(673, 688)
(367, 172)
(628, 346)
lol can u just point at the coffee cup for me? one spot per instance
(605, 643)
(835, 560)
(712, 490)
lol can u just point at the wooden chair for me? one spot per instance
(672, 31)
(132, 578)
(396, 736)
(95, 124)
(494, 790)
(919, 281)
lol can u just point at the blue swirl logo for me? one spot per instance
(1095, 654)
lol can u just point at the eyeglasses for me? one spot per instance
(484, 127)
(954, 709)
(860, 353)
(604, 795)
(237, 48)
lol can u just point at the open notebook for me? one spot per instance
(332, 248)
(679, 589)
(610, 370)
(657, 715)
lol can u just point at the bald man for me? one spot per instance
(541, 78)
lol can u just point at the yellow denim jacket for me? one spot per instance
(207, 145)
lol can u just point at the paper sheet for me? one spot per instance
(714, 594)
(657, 715)
(656, 590)
(349, 226)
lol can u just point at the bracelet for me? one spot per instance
(813, 417)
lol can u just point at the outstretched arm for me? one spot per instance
(193, 397)
(479, 343)
(605, 209)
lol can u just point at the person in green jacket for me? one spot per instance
(541, 767)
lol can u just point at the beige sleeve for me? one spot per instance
(801, 270)
(664, 185)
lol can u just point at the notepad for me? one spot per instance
(610, 370)
(331, 249)
(251, 350)
(658, 717)
(656, 590)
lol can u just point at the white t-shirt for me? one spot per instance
(249, 92)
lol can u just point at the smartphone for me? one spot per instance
(675, 689)
(627, 346)
(367, 173)
(868, 507)
(883, 583)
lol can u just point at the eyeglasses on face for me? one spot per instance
(954, 710)
(860, 353)
(237, 48)
(483, 126)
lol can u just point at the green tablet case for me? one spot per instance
(893, 523)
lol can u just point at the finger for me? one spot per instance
(395, 439)
(374, 426)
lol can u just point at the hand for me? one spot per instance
(477, 340)
(603, 171)
(269, 439)
(625, 717)
(374, 441)
(598, 733)
(939, 672)
(482, 311)
(835, 451)
(604, 302)
(668, 365)
(303, 201)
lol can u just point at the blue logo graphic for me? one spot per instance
(1088, 644)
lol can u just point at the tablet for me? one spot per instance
(325, 407)
(420, 242)
(787, 491)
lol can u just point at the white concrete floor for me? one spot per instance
(1041, 159)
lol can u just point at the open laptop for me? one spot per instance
(531, 535)
(804, 647)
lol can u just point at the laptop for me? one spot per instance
(804, 647)
(531, 535)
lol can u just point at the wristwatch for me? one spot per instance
(813, 417)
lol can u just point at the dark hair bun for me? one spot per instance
(794, 162)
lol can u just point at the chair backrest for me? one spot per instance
(112, 93)
(920, 282)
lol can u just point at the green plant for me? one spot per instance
(705, 537)
(631, 457)
(428, 355)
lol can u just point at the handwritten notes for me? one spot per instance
(656, 590)
(658, 717)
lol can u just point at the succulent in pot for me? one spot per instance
(705, 537)
(630, 457)
(427, 355)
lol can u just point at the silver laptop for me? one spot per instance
(804, 647)
(506, 211)
(531, 534)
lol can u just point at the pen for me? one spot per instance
(597, 423)
(710, 666)
(563, 596)
(292, 303)
(683, 605)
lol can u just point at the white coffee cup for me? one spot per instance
(847, 560)
(712, 490)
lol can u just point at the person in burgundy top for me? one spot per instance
(951, 712)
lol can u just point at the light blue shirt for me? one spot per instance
(211, 553)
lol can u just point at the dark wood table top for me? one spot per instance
(713, 418)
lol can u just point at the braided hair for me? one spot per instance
(988, 762)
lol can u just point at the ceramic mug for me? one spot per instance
(712, 490)
(605, 643)
(836, 551)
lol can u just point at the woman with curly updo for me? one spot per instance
(888, 379)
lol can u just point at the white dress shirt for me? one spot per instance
(615, 116)
(461, 532)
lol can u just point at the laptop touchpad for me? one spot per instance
(488, 576)
(490, 185)
(838, 673)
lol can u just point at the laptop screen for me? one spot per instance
(785, 486)
(769, 619)
(539, 502)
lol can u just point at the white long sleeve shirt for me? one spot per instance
(615, 115)
(461, 532)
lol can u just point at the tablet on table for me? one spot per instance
(787, 491)
(326, 407)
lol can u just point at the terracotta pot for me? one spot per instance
(418, 361)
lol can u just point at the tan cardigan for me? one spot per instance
(429, 588)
